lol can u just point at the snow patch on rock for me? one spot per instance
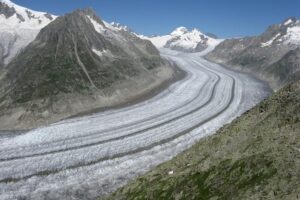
(101, 53)
(270, 42)
(289, 21)
(290, 37)
(98, 27)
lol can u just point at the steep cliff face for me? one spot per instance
(260, 54)
(77, 58)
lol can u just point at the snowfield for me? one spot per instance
(184, 40)
(18, 30)
(91, 156)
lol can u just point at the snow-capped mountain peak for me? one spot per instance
(9, 3)
(287, 33)
(19, 27)
(13, 15)
(180, 31)
(292, 21)
(186, 40)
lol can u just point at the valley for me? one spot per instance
(95, 154)
(94, 110)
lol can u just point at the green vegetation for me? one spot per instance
(257, 156)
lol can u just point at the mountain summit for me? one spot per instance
(77, 63)
(287, 32)
(183, 39)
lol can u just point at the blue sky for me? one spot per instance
(225, 18)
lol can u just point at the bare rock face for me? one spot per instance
(287, 69)
(260, 54)
(76, 63)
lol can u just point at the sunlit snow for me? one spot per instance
(183, 38)
(15, 34)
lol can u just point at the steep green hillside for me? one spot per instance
(255, 157)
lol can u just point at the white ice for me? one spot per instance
(87, 157)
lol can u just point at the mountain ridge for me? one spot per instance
(77, 63)
(183, 39)
(259, 54)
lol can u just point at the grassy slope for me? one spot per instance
(255, 157)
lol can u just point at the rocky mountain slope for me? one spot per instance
(19, 27)
(273, 55)
(76, 63)
(182, 39)
(257, 156)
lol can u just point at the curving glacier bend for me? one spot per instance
(88, 157)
